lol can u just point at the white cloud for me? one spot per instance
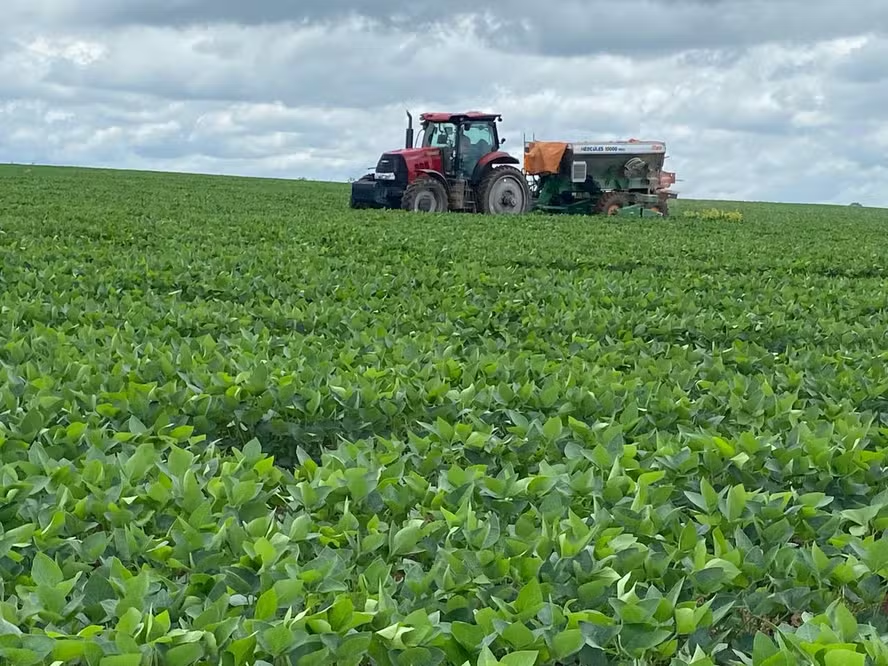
(76, 51)
(754, 117)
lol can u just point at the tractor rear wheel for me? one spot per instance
(611, 203)
(503, 190)
(425, 194)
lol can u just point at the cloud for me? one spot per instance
(571, 27)
(867, 65)
(261, 89)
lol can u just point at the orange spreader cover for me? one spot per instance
(544, 157)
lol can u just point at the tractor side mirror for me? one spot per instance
(502, 141)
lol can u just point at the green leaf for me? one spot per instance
(846, 622)
(340, 613)
(525, 658)
(129, 621)
(162, 622)
(567, 642)
(8, 628)
(688, 539)
(487, 658)
(20, 657)
(530, 598)
(136, 426)
(553, 428)
(763, 648)
(599, 635)
(182, 433)
(253, 450)
(736, 502)
(639, 638)
(353, 647)
(97, 589)
(684, 621)
(518, 635)
(180, 461)
(405, 539)
(470, 636)
(45, 571)
(289, 590)
(266, 606)
(75, 431)
(266, 551)
(68, 650)
(134, 659)
(31, 425)
(876, 556)
(278, 639)
(139, 463)
(244, 491)
(843, 657)
(184, 655)
(242, 650)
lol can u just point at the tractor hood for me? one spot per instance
(410, 160)
(401, 166)
(412, 151)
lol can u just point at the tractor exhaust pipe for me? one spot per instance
(409, 137)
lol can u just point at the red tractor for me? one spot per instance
(457, 166)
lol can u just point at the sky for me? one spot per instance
(766, 100)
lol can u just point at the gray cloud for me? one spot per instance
(867, 65)
(575, 27)
(261, 89)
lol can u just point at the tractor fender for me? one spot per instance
(437, 175)
(489, 160)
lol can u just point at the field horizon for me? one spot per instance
(344, 183)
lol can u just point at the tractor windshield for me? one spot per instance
(439, 135)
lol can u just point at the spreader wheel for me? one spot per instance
(426, 195)
(503, 191)
(611, 203)
(662, 206)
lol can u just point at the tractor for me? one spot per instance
(456, 166)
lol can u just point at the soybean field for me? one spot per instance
(244, 425)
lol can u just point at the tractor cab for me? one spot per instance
(455, 164)
(463, 139)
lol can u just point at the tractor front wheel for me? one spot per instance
(425, 194)
(503, 191)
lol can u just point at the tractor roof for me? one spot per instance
(456, 117)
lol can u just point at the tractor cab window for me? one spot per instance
(476, 140)
(440, 135)
(479, 136)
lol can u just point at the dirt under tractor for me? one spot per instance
(457, 165)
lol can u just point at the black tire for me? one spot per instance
(425, 190)
(503, 191)
(611, 202)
